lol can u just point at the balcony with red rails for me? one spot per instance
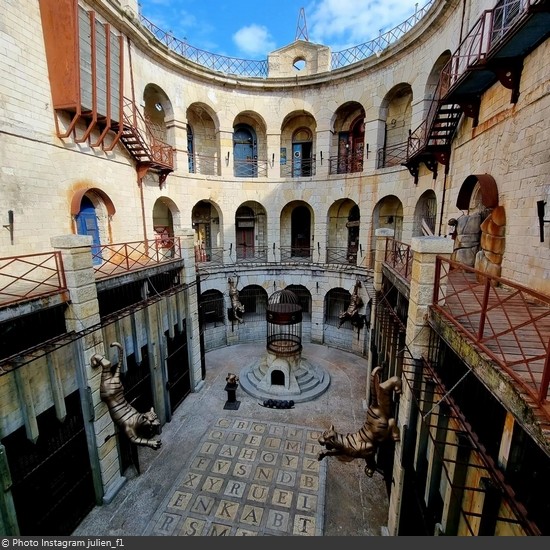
(111, 260)
(32, 277)
(508, 322)
(398, 256)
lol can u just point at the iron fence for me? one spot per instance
(31, 276)
(398, 256)
(115, 259)
(203, 164)
(260, 69)
(507, 321)
(299, 169)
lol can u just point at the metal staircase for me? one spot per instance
(140, 137)
(493, 50)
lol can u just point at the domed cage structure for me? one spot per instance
(284, 323)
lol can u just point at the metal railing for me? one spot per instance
(507, 321)
(377, 45)
(250, 168)
(299, 169)
(341, 255)
(31, 276)
(215, 62)
(296, 253)
(394, 155)
(345, 164)
(486, 33)
(115, 259)
(247, 253)
(260, 69)
(159, 151)
(203, 164)
(204, 255)
(398, 256)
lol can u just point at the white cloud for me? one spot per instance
(254, 40)
(352, 22)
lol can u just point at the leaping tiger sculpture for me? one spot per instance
(238, 308)
(379, 426)
(352, 311)
(139, 427)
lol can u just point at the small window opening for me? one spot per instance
(299, 63)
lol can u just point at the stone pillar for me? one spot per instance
(323, 138)
(424, 251)
(189, 277)
(177, 136)
(226, 152)
(83, 313)
(274, 155)
(374, 139)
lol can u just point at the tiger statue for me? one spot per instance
(134, 424)
(352, 311)
(378, 427)
(238, 308)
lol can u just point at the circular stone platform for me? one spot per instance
(276, 377)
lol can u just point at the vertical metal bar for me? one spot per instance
(543, 392)
(483, 316)
(437, 280)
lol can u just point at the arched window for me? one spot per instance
(212, 306)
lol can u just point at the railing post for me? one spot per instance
(545, 382)
(484, 304)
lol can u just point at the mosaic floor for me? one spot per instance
(247, 478)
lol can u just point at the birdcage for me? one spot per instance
(284, 323)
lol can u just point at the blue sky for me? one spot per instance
(250, 29)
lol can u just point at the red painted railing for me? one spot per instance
(31, 276)
(507, 321)
(399, 257)
(115, 259)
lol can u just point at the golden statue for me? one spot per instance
(379, 426)
(138, 427)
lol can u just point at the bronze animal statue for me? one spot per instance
(138, 427)
(238, 308)
(352, 311)
(379, 426)
(232, 379)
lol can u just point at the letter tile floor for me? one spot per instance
(248, 478)
(253, 470)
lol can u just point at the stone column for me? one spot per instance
(226, 151)
(322, 153)
(374, 137)
(424, 251)
(188, 276)
(274, 155)
(83, 313)
(177, 135)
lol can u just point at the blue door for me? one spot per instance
(86, 223)
(296, 160)
(244, 153)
